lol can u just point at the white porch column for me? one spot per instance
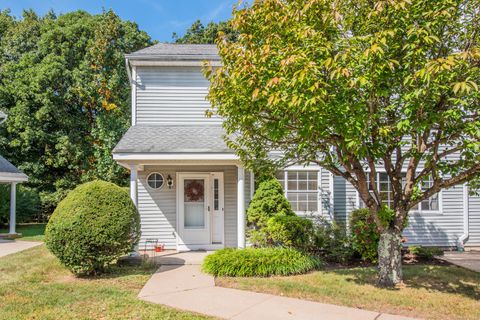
(241, 207)
(133, 184)
(13, 205)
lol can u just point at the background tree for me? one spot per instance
(64, 85)
(357, 85)
(200, 34)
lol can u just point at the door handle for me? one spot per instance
(208, 208)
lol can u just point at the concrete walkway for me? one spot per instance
(180, 284)
(13, 246)
(469, 259)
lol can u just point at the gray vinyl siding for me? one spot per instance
(474, 221)
(426, 228)
(326, 197)
(172, 95)
(157, 208)
(344, 199)
(438, 229)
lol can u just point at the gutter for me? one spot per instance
(465, 235)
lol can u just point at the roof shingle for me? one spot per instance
(173, 139)
(9, 171)
(169, 51)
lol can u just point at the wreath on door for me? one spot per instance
(194, 191)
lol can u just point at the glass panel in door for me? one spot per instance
(194, 203)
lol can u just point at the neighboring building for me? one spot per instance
(192, 191)
(9, 174)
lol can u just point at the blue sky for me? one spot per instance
(160, 18)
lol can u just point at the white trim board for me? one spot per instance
(175, 156)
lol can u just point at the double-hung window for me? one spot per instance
(384, 187)
(432, 203)
(301, 189)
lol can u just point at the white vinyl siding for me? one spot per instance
(172, 95)
(157, 208)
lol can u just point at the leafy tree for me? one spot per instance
(200, 34)
(352, 85)
(64, 86)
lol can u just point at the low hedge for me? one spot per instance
(92, 227)
(259, 262)
(427, 253)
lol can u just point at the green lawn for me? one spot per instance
(431, 292)
(29, 231)
(33, 285)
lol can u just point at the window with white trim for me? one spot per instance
(301, 189)
(386, 194)
(432, 203)
(155, 180)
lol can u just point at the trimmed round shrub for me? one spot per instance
(259, 262)
(364, 234)
(92, 227)
(269, 200)
(290, 231)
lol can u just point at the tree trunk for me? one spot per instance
(390, 258)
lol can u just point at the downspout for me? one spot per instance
(464, 236)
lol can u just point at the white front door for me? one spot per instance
(193, 209)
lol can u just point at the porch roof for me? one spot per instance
(173, 139)
(9, 173)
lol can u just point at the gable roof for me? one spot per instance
(173, 139)
(10, 173)
(175, 52)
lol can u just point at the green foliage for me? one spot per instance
(27, 204)
(269, 200)
(364, 234)
(427, 253)
(290, 231)
(92, 227)
(65, 88)
(200, 34)
(332, 241)
(259, 262)
(349, 85)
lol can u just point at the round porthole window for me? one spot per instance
(155, 180)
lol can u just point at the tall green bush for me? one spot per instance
(93, 226)
(268, 201)
(27, 204)
(364, 234)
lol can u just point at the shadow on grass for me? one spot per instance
(119, 270)
(447, 279)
